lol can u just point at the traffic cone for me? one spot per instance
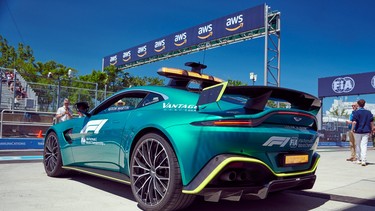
(40, 135)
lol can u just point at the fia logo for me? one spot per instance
(293, 142)
(343, 85)
(373, 81)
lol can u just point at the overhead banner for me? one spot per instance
(247, 20)
(356, 84)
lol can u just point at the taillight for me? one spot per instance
(253, 122)
(226, 122)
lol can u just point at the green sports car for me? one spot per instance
(172, 143)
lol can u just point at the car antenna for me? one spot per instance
(196, 67)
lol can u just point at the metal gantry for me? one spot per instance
(271, 34)
(272, 48)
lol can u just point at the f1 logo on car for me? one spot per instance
(94, 126)
(281, 141)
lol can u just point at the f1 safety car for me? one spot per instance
(171, 143)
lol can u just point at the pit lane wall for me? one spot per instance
(23, 129)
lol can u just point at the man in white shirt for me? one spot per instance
(64, 113)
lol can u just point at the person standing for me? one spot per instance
(64, 113)
(362, 127)
(351, 134)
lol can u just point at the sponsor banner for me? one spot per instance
(21, 143)
(356, 84)
(247, 20)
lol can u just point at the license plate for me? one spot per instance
(296, 159)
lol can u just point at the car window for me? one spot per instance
(151, 98)
(121, 102)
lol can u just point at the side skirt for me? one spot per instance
(110, 175)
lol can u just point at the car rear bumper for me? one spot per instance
(222, 178)
(235, 194)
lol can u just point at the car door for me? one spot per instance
(102, 136)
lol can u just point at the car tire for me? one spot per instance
(52, 157)
(155, 175)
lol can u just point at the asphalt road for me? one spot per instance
(340, 185)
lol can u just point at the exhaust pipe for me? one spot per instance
(242, 176)
(229, 176)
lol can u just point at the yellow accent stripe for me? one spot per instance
(96, 174)
(224, 84)
(242, 159)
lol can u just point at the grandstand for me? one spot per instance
(20, 115)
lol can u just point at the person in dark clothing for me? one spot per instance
(362, 127)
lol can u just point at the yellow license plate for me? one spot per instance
(296, 159)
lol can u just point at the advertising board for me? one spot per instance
(239, 22)
(345, 85)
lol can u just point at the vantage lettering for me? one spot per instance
(178, 106)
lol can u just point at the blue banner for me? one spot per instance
(247, 20)
(355, 84)
(21, 143)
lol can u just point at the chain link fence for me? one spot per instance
(17, 93)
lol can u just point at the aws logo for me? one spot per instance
(159, 45)
(205, 32)
(142, 51)
(234, 23)
(180, 39)
(113, 60)
(126, 56)
(343, 85)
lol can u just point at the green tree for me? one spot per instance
(35, 73)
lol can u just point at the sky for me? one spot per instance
(319, 38)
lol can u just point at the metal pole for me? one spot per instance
(1, 86)
(278, 53)
(58, 92)
(265, 44)
(14, 87)
(96, 93)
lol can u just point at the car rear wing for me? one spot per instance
(260, 95)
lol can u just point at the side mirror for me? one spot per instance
(82, 107)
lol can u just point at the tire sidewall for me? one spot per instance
(57, 170)
(175, 177)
